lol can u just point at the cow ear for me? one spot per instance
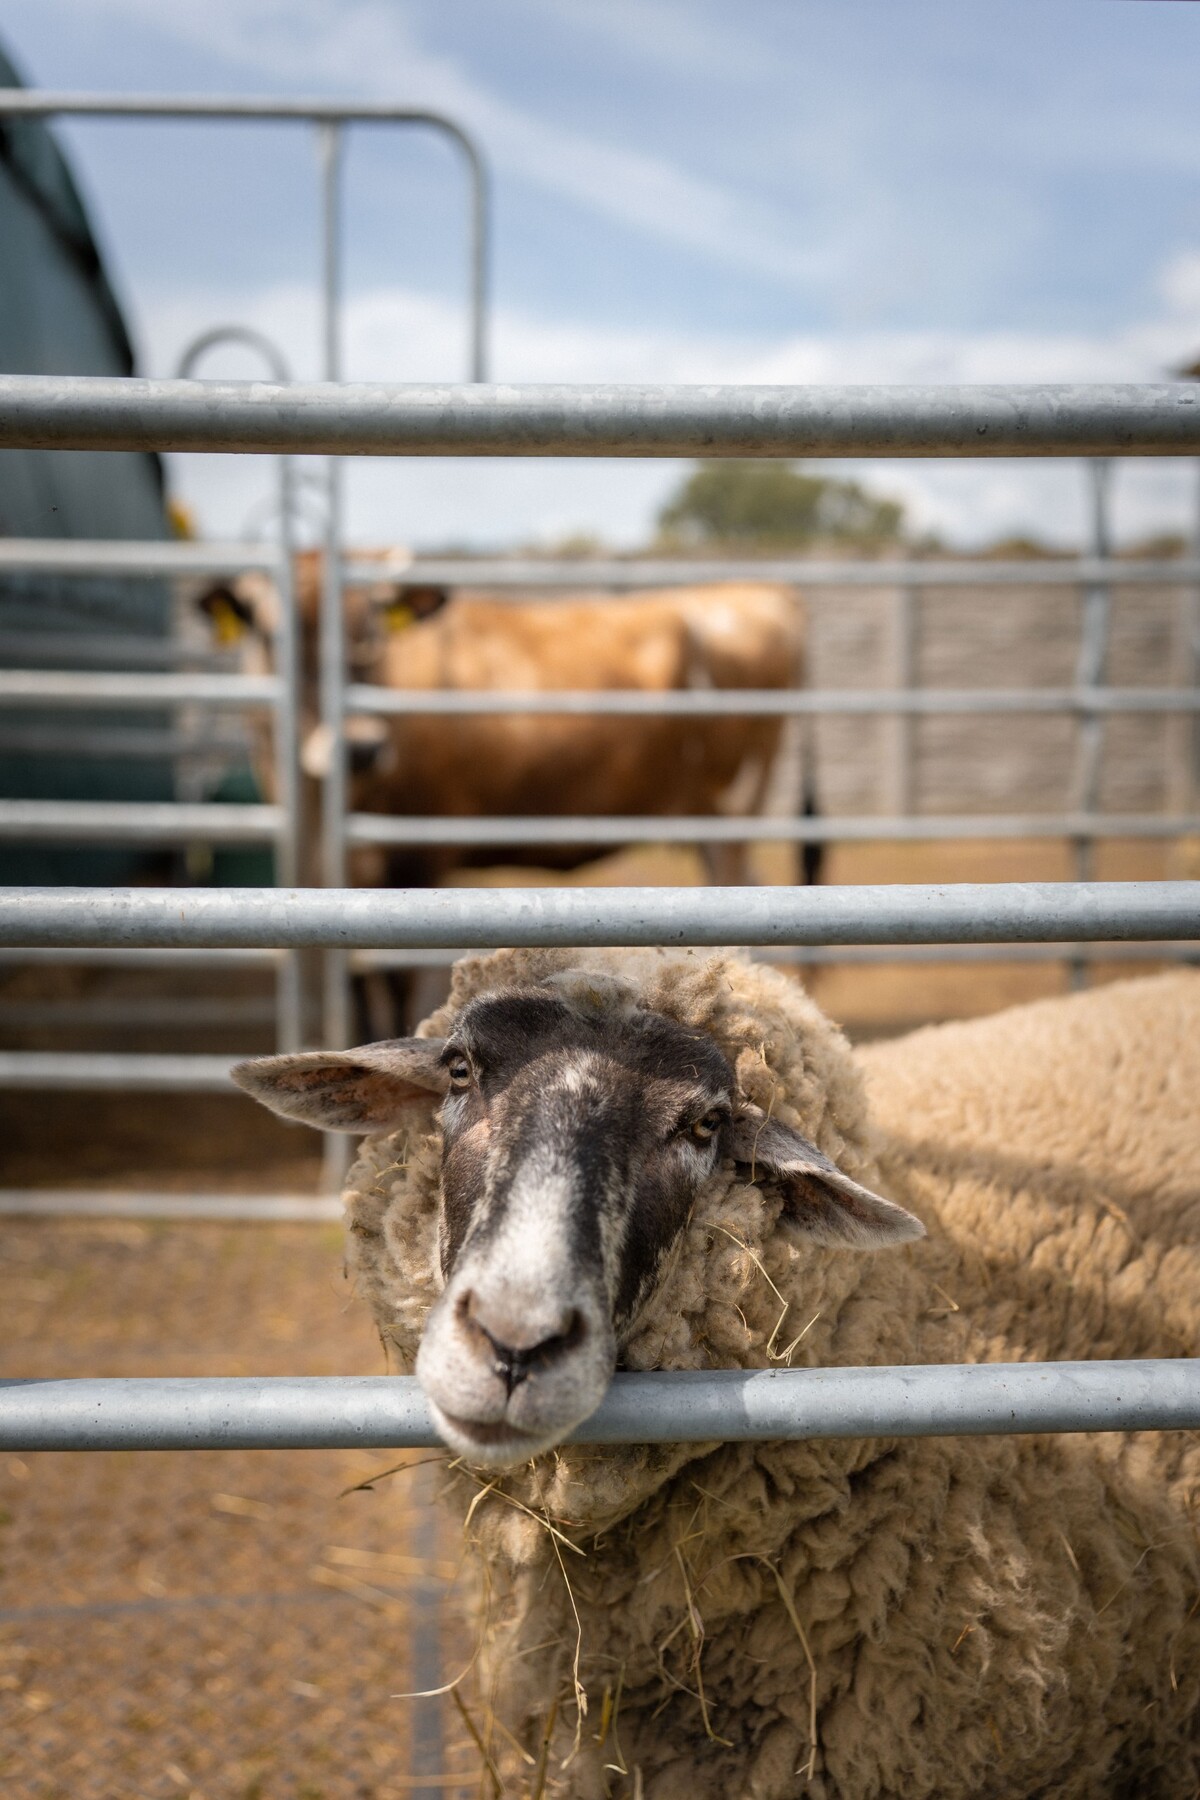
(368, 1089)
(230, 616)
(820, 1204)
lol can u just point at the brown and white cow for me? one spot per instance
(735, 635)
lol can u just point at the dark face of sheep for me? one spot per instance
(577, 1129)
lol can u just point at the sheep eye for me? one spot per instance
(459, 1071)
(706, 1127)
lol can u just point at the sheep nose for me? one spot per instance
(517, 1345)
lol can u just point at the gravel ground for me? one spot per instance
(219, 1625)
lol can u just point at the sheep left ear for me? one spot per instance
(820, 1204)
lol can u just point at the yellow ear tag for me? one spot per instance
(228, 625)
(399, 616)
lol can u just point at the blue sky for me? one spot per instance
(779, 190)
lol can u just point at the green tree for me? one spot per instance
(760, 505)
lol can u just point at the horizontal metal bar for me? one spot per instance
(88, 412)
(136, 822)
(792, 571)
(155, 1074)
(97, 688)
(874, 955)
(33, 649)
(690, 703)
(45, 102)
(108, 958)
(130, 744)
(725, 1405)
(1178, 949)
(416, 832)
(111, 556)
(138, 1011)
(426, 918)
(108, 1203)
(850, 956)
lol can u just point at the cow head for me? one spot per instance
(245, 614)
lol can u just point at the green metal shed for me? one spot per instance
(58, 315)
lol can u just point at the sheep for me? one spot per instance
(845, 1619)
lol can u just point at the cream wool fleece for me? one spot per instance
(984, 1617)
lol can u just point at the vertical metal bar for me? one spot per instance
(899, 775)
(289, 990)
(427, 1755)
(1191, 670)
(289, 982)
(1182, 734)
(336, 1011)
(427, 1752)
(1095, 621)
(480, 210)
(287, 667)
(1181, 743)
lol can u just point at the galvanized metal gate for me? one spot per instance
(562, 421)
(188, 821)
(654, 1407)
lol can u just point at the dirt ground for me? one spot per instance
(219, 1625)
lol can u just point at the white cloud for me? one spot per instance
(398, 335)
(1178, 285)
(688, 37)
(367, 48)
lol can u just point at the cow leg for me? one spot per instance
(726, 865)
(390, 1003)
(378, 1005)
(427, 990)
(812, 855)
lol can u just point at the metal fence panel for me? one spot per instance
(789, 571)
(724, 1405)
(590, 830)
(779, 703)
(401, 918)
(375, 419)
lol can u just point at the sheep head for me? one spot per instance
(577, 1128)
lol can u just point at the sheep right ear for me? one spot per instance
(368, 1089)
(820, 1202)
